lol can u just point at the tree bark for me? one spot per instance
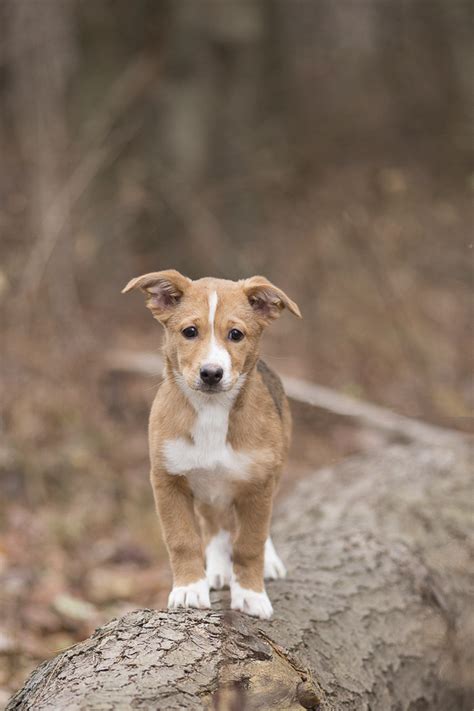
(374, 613)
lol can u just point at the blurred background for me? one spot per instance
(326, 145)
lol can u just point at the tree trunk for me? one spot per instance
(41, 54)
(374, 613)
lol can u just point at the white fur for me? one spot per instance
(256, 604)
(273, 567)
(209, 462)
(217, 354)
(219, 561)
(192, 595)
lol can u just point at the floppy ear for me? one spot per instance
(162, 289)
(267, 300)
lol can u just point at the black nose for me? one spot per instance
(211, 374)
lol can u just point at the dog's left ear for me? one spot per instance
(163, 290)
(267, 300)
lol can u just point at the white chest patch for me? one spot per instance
(208, 461)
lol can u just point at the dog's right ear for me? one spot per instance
(163, 290)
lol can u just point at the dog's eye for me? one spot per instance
(235, 335)
(190, 332)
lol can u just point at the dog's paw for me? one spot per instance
(218, 578)
(273, 567)
(192, 595)
(256, 604)
(218, 561)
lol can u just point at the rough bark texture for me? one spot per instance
(373, 615)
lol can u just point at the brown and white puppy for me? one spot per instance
(219, 433)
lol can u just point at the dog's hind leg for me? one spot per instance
(219, 560)
(273, 568)
(217, 534)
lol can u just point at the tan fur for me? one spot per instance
(259, 424)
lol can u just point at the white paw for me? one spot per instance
(256, 604)
(192, 595)
(218, 561)
(273, 568)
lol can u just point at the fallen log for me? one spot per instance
(374, 614)
(397, 427)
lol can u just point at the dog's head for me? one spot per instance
(212, 326)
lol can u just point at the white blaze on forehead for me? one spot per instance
(217, 354)
(212, 308)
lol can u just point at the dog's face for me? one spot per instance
(213, 326)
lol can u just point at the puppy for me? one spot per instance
(219, 434)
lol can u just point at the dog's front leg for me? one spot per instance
(247, 589)
(175, 506)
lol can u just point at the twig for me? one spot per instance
(302, 391)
